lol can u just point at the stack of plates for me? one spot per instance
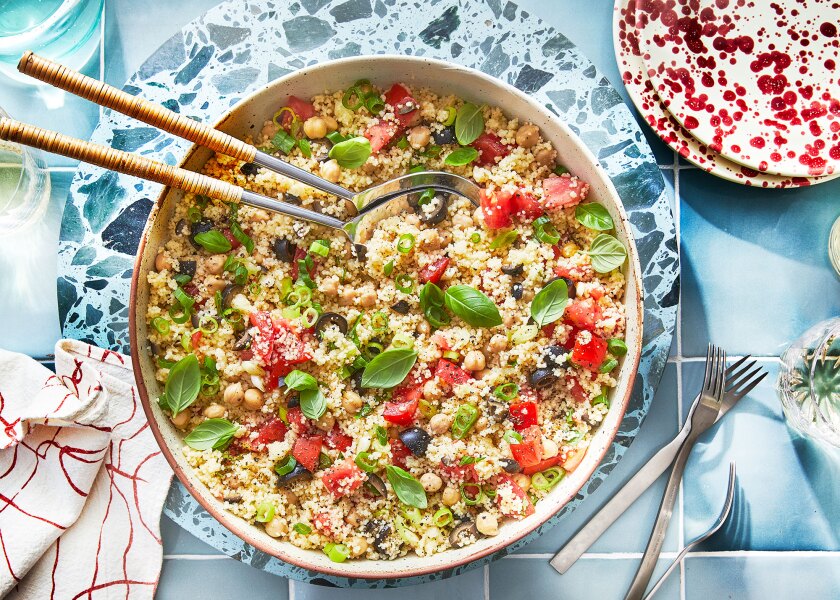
(748, 90)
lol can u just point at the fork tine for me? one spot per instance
(731, 368)
(707, 376)
(721, 375)
(746, 386)
(735, 376)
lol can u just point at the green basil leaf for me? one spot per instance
(472, 306)
(213, 241)
(352, 153)
(313, 404)
(388, 368)
(503, 240)
(594, 216)
(607, 253)
(211, 434)
(298, 380)
(183, 384)
(236, 229)
(550, 302)
(305, 148)
(469, 123)
(406, 487)
(461, 156)
(430, 295)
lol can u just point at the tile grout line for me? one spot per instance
(486, 569)
(291, 588)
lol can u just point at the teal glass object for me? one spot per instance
(66, 31)
(809, 383)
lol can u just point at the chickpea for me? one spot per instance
(276, 527)
(352, 518)
(326, 422)
(418, 137)
(423, 327)
(352, 402)
(497, 343)
(411, 219)
(330, 170)
(215, 284)
(431, 390)
(440, 423)
(445, 238)
(358, 546)
(450, 496)
(474, 360)
(528, 135)
(215, 411)
(431, 482)
(368, 299)
(550, 449)
(546, 157)
(414, 118)
(487, 523)
(429, 239)
(329, 286)
(215, 264)
(347, 296)
(332, 124)
(181, 420)
(315, 128)
(162, 262)
(509, 320)
(289, 498)
(461, 220)
(233, 394)
(482, 424)
(522, 480)
(569, 250)
(253, 399)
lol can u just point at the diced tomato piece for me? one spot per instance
(591, 354)
(247, 354)
(432, 273)
(401, 99)
(297, 419)
(583, 314)
(439, 340)
(195, 339)
(450, 373)
(573, 459)
(505, 480)
(338, 440)
(303, 109)
(307, 451)
(529, 451)
(381, 134)
(548, 330)
(490, 148)
(321, 521)
(564, 191)
(399, 452)
(458, 472)
(342, 478)
(542, 465)
(525, 206)
(596, 293)
(300, 254)
(411, 388)
(577, 391)
(234, 243)
(497, 207)
(400, 413)
(523, 415)
(278, 345)
(273, 430)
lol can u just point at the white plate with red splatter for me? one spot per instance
(755, 81)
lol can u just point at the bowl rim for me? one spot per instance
(226, 518)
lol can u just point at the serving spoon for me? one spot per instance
(370, 204)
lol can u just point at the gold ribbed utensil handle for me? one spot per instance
(101, 93)
(117, 160)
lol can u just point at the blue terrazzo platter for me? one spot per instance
(235, 49)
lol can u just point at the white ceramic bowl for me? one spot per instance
(247, 117)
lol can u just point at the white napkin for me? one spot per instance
(82, 480)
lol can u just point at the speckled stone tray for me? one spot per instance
(234, 50)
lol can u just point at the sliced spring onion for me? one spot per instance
(402, 143)
(475, 238)
(186, 342)
(452, 355)
(335, 138)
(374, 103)
(194, 214)
(450, 116)
(506, 391)
(388, 268)
(560, 169)
(324, 460)
(372, 349)
(617, 346)
(365, 463)
(208, 324)
(290, 313)
(601, 399)
(426, 197)
(442, 517)
(545, 480)
(471, 493)
(405, 243)
(512, 437)
(161, 325)
(302, 528)
(465, 418)
(608, 365)
(320, 247)
(381, 435)
(265, 512)
(437, 317)
(283, 141)
(337, 552)
(503, 240)
(402, 340)
(545, 231)
(412, 513)
(353, 99)
(309, 317)
(404, 283)
(286, 465)
(426, 409)
(379, 322)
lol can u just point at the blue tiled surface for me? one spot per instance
(755, 275)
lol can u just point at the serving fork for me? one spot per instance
(371, 204)
(741, 379)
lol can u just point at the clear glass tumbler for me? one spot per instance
(809, 383)
(24, 186)
(66, 31)
(834, 245)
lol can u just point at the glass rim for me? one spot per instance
(24, 155)
(821, 353)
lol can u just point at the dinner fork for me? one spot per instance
(703, 417)
(740, 378)
(370, 200)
